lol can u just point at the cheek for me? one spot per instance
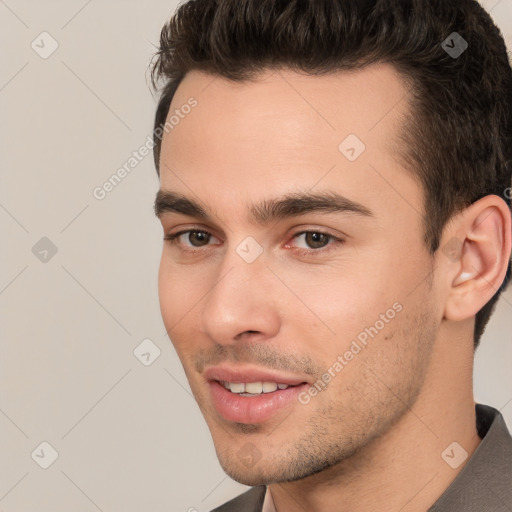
(363, 311)
(367, 389)
(335, 304)
(178, 293)
(167, 293)
(180, 287)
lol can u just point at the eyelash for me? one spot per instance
(335, 241)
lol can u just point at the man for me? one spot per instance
(334, 183)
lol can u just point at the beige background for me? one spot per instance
(129, 437)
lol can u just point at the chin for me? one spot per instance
(247, 477)
(256, 472)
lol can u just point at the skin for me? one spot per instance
(373, 438)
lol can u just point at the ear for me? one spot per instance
(476, 254)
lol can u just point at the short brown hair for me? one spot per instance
(459, 138)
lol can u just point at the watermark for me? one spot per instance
(454, 45)
(44, 455)
(147, 352)
(508, 193)
(453, 249)
(352, 147)
(249, 250)
(44, 45)
(454, 455)
(355, 348)
(249, 455)
(101, 191)
(44, 249)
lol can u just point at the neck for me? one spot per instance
(402, 470)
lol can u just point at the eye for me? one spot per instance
(307, 242)
(191, 238)
(315, 240)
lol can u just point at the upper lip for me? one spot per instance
(245, 374)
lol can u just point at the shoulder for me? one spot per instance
(484, 482)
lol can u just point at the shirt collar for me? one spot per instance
(268, 504)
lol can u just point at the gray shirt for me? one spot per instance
(483, 485)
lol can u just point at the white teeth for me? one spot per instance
(253, 388)
(268, 387)
(237, 387)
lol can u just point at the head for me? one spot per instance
(344, 177)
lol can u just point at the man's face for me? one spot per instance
(334, 298)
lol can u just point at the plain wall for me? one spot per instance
(129, 437)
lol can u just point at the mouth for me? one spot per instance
(252, 396)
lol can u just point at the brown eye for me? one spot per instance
(190, 238)
(316, 240)
(198, 238)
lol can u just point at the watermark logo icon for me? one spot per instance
(352, 147)
(147, 352)
(454, 45)
(44, 455)
(44, 250)
(249, 250)
(454, 455)
(453, 249)
(249, 455)
(44, 45)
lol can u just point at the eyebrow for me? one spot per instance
(269, 210)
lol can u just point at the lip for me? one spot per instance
(252, 409)
(247, 374)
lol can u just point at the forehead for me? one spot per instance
(286, 130)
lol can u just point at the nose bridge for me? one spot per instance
(240, 300)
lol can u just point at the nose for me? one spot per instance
(243, 304)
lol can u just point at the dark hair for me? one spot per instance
(458, 139)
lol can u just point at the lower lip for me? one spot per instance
(252, 409)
